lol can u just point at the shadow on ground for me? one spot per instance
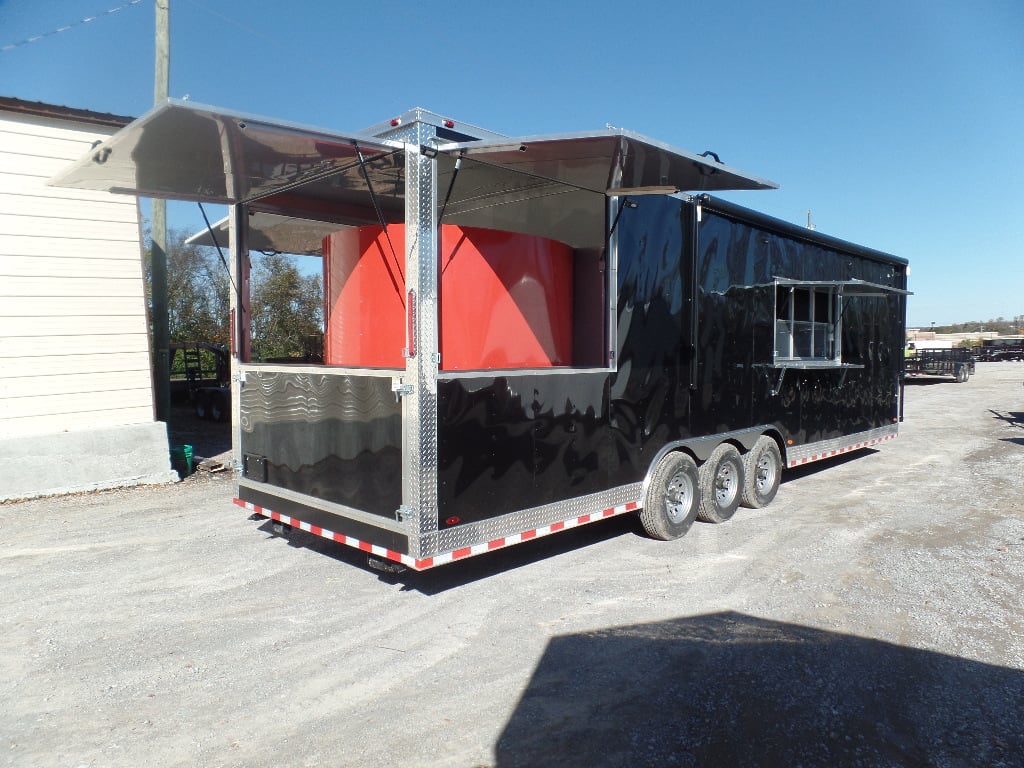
(462, 572)
(728, 689)
(1013, 418)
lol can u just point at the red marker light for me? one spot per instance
(453, 521)
(449, 123)
(395, 122)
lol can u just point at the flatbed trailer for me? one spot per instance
(956, 363)
(523, 335)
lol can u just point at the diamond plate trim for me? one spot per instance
(484, 531)
(804, 454)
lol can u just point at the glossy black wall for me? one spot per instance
(695, 336)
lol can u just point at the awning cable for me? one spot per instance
(213, 236)
(451, 186)
(626, 203)
(384, 226)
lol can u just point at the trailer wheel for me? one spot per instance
(202, 405)
(762, 470)
(670, 504)
(721, 484)
(218, 407)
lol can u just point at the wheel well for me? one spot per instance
(774, 435)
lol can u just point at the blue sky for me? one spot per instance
(898, 123)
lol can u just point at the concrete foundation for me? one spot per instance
(68, 462)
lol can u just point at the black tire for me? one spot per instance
(762, 473)
(202, 405)
(670, 504)
(219, 410)
(721, 484)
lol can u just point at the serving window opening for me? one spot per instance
(521, 270)
(807, 323)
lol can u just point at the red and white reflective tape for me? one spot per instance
(422, 564)
(837, 451)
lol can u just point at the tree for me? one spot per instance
(286, 309)
(286, 306)
(197, 291)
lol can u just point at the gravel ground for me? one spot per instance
(871, 616)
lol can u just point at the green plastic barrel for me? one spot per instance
(181, 459)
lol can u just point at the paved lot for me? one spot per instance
(872, 615)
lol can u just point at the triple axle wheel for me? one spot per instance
(680, 492)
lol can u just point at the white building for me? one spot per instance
(76, 395)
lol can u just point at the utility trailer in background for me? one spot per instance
(200, 373)
(523, 335)
(1001, 349)
(956, 363)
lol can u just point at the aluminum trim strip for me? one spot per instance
(330, 507)
(475, 534)
(826, 449)
(423, 563)
(319, 370)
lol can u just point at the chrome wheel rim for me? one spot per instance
(764, 475)
(726, 485)
(679, 495)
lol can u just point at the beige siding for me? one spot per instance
(74, 353)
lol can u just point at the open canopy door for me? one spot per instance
(613, 162)
(186, 151)
(272, 232)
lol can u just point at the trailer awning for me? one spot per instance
(185, 151)
(612, 162)
(851, 287)
(272, 232)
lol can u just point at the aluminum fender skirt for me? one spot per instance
(180, 150)
(613, 162)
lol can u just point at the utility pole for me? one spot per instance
(161, 333)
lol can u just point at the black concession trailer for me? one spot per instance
(523, 335)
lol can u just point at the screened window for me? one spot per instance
(806, 322)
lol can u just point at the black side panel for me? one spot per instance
(695, 343)
(737, 263)
(332, 436)
(514, 442)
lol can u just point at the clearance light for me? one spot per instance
(395, 121)
(449, 123)
(453, 521)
